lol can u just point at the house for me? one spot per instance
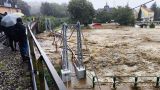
(8, 6)
(146, 14)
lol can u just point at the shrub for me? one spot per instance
(152, 25)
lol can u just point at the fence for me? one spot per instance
(135, 83)
(42, 65)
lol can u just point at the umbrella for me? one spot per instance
(9, 20)
(18, 14)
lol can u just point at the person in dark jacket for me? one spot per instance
(21, 37)
(9, 32)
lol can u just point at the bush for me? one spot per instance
(152, 25)
(26, 18)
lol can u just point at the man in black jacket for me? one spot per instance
(21, 37)
(9, 32)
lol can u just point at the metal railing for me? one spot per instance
(147, 22)
(39, 81)
(135, 83)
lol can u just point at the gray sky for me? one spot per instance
(101, 3)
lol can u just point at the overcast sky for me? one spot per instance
(100, 3)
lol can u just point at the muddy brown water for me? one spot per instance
(122, 51)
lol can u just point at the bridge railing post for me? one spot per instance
(32, 55)
(32, 51)
(114, 82)
(157, 82)
(93, 81)
(41, 73)
(39, 79)
(136, 82)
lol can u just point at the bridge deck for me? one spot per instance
(14, 74)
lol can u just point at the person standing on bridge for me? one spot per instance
(21, 37)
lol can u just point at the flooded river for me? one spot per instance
(115, 52)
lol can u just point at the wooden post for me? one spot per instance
(41, 73)
(56, 47)
(114, 82)
(157, 82)
(32, 55)
(93, 82)
(32, 51)
(136, 82)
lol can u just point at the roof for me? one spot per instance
(12, 3)
(9, 7)
(147, 9)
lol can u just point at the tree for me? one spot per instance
(59, 10)
(102, 16)
(81, 10)
(2, 2)
(158, 14)
(24, 7)
(156, 11)
(139, 15)
(123, 15)
(46, 9)
(54, 9)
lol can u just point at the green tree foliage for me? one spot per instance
(102, 16)
(46, 9)
(54, 9)
(156, 11)
(81, 10)
(139, 15)
(24, 7)
(59, 10)
(123, 15)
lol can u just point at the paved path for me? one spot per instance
(14, 74)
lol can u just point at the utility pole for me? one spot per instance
(66, 73)
(80, 69)
(79, 46)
